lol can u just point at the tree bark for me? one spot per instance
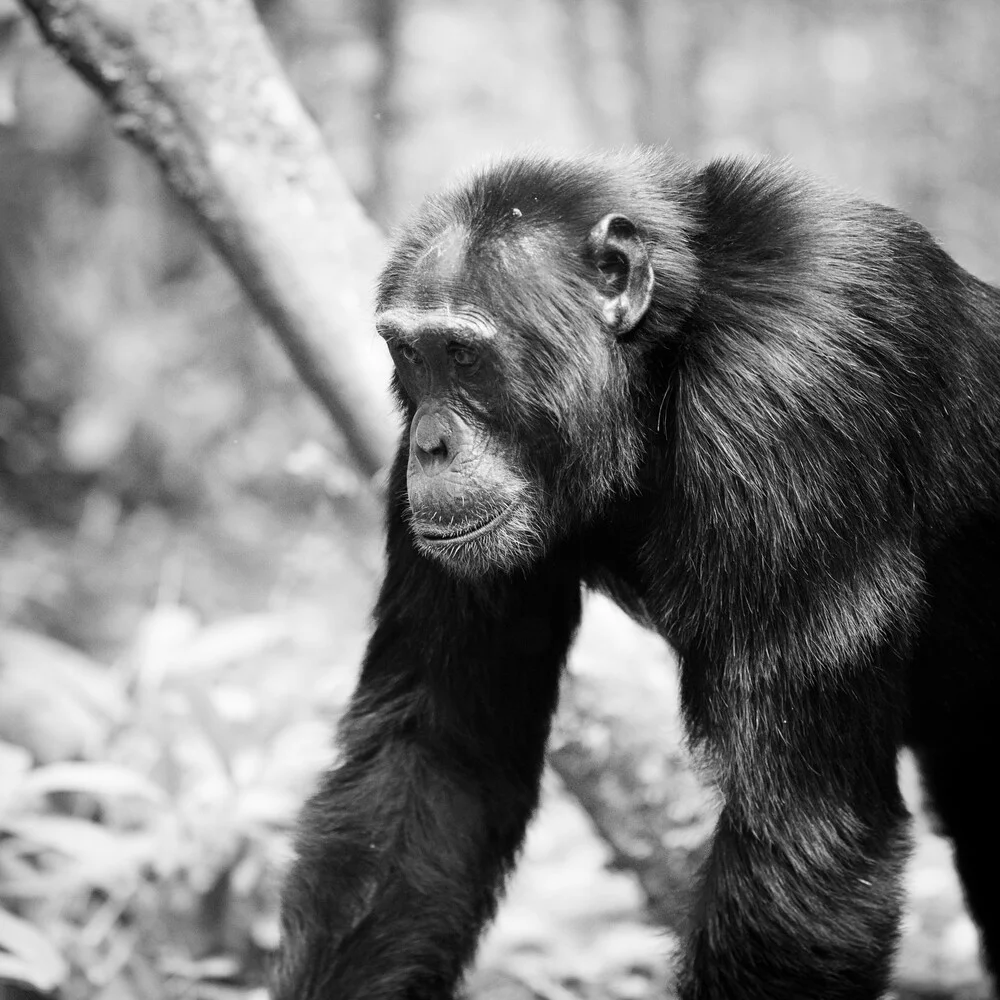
(198, 86)
(618, 748)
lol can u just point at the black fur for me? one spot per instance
(789, 467)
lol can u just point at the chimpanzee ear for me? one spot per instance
(626, 276)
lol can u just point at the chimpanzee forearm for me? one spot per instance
(404, 847)
(811, 913)
(400, 858)
(801, 895)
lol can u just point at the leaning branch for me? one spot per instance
(198, 86)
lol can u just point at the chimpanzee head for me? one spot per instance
(518, 312)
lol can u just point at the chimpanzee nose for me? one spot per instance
(430, 440)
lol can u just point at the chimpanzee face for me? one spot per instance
(505, 360)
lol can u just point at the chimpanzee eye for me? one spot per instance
(464, 357)
(409, 353)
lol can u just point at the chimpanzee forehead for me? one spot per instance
(441, 268)
(456, 270)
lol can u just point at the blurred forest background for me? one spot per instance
(188, 556)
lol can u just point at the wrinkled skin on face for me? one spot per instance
(519, 395)
(471, 506)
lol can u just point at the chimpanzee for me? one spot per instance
(765, 418)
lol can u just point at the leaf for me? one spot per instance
(91, 778)
(76, 838)
(15, 762)
(32, 958)
(233, 640)
(56, 702)
(90, 682)
(220, 736)
(103, 856)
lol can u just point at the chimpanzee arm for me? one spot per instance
(402, 851)
(801, 894)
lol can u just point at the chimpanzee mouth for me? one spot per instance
(453, 534)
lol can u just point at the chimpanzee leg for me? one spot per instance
(801, 893)
(955, 716)
(404, 847)
(954, 705)
(958, 778)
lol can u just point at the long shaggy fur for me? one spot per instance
(790, 468)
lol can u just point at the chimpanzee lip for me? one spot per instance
(450, 534)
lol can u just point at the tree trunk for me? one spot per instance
(197, 85)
